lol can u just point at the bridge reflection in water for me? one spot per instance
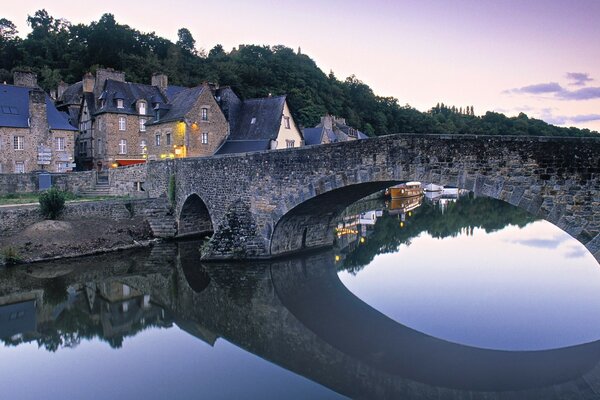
(295, 313)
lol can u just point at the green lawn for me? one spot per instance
(23, 198)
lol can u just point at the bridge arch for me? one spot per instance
(194, 217)
(309, 224)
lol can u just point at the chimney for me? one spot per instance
(25, 79)
(62, 86)
(38, 116)
(88, 82)
(161, 81)
(102, 74)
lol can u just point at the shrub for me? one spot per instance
(172, 190)
(10, 255)
(52, 203)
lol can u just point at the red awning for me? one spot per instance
(123, 163)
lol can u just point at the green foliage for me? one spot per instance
(52, 203)
(172, 190)
(57, 50)
(10, 256)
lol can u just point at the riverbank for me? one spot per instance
(85, 228)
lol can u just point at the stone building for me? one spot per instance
(331, 129)
(191, 125)
(34, 135)
(257, 124)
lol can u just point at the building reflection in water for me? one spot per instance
(293, 312)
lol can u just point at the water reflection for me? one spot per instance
(294, 312)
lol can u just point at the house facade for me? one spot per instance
(192, 125)
(34, 135)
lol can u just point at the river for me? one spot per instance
(448, 298)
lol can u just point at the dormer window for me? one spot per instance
(142, 108)
(286, 122)
(253, 121)
(119, 103)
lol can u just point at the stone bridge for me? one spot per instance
(272, 203)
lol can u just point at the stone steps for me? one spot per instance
(161, 220)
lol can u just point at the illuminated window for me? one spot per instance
(142, 108)
(122, 146)
(18, 142)
(122, 124)
(204, 114)
(60, 144)
(286, 122)
(119, 103)
(204, 138)
(19, 167)
(157, 139)
(142, 124)
(168, 139)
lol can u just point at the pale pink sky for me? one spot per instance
(504, 55)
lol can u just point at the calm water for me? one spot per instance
(446, 299)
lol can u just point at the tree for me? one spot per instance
(8, 30)
(186, 41)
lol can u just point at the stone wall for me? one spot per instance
(128, 180)
(16, 218)
(75, 182)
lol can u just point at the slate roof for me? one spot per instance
(172, 91)
(14, 109)
(313, 136)
(243, 146)
(72, 94)
(131, 93)
(266, 112)
(181, 104)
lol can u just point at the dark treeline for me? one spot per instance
(57, 50)
(466, 214)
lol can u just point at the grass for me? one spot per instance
(24, 198)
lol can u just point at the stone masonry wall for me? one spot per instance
(557, 179)
(74, 182)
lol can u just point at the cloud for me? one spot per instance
(540, 88)
(541, 243)
(578, 78)
(587, 93)
(584, 118)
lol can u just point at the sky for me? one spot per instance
(540, 57)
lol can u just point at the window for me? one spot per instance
(83, 149)
(144, 147)
(119, 103)
(99, 148)
(19, 167)
(142, 124)
(19, 142)
(122, 146)
(204, 138)
(142, 108)
(168, 139)
(62, 166)
(286, 122)
(60, 144)
(289, 143)
(122, 124)
(157, 139)
(253, 121)
(204, 114)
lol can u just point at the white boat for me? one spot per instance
(432, 187)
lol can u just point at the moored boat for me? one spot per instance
(408, 189)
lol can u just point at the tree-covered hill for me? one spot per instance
(57, 50)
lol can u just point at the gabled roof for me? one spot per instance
(130, 94)
(14, 109)
(72, 94)
(258, 119)
(243, 146)
(181, 104)
(172, 91)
